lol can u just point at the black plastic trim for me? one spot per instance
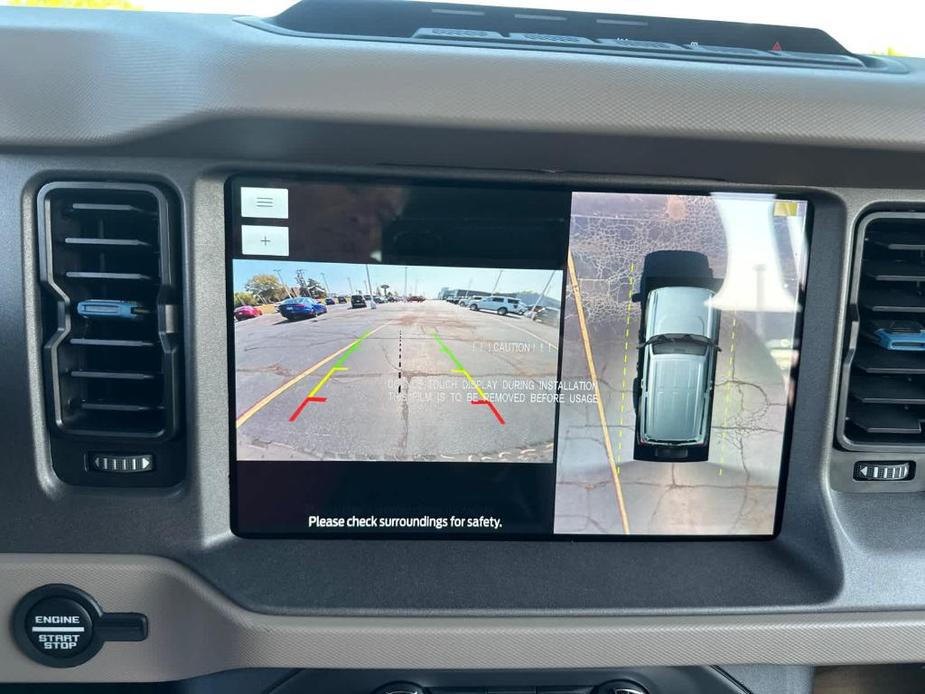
(854, 347)
(71, 445)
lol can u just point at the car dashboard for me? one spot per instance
(248, 499)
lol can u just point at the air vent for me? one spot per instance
(883, 384)
(111, 320)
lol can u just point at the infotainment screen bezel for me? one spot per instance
(239, 530)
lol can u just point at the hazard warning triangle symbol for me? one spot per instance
(776, 46)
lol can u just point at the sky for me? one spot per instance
(427, 281)
(887, 26)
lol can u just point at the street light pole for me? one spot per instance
(327, 289)
(497, 281)
(285, 286)
(543, 293)
(369, 282)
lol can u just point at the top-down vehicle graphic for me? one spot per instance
(673, 392)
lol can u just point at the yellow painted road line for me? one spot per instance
(614, 472)
(266, 400)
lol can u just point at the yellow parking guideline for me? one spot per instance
(325, 379)
(267, 399)
(626, 349)
(472, 381)
(730, 374)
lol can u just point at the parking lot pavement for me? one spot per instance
(405, 381)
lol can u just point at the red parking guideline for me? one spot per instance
(298, 410)
(491, 406)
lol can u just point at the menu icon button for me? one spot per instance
(265, 203)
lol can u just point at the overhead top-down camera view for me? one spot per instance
(462, 347)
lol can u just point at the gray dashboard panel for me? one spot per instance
(194, 630)
(210, 86)
(188, 100)
(798, 568)
(189, 68)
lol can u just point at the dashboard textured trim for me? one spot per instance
(192, 68)
(194, 630)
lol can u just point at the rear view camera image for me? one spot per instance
(681, 317)
(470, 360)
(389, 363)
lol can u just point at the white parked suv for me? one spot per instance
(502, 305)
(466, 300)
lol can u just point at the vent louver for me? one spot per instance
(111, 318)
(883, 379)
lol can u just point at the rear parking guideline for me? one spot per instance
(338, 366)
(730, 378)
(266, 400)
(460, 369)
(626, 351)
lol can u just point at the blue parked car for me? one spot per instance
(301, 307)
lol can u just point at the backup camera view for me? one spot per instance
(511, 362)
(396, 364)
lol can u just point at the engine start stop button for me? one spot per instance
(59, 627)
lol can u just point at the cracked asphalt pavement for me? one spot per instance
(385, 388)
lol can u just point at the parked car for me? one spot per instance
(329, 301)
(357, 301)
(416, 299)
(245, 312)
(674, 394)
(545, 315)
(300, 307)
(502, 305)
(342, 299)
(466, 300)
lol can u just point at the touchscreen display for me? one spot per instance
(480, 360)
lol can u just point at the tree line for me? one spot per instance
(268, 289)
